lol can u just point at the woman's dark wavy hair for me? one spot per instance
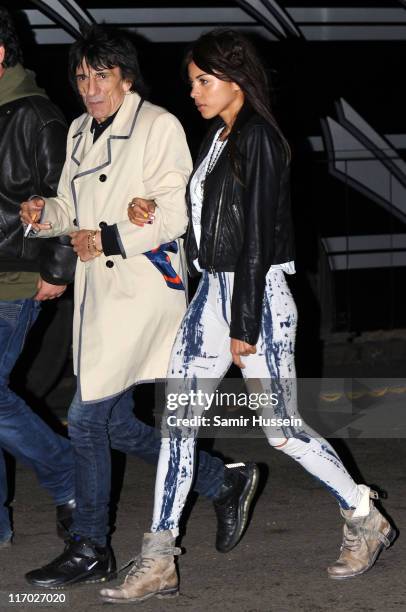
(101, 48)
(9, 39)
(230, 56)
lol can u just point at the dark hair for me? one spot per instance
(9, 40)
(230, 56)
(105, 48)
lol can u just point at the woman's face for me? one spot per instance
(213, 96)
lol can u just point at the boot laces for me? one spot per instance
(353, 536)
(352, 540)
(141, 566)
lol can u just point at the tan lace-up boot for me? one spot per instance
(153, 573)
(366, 533)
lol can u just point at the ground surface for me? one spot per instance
(295, 532)
(280, 565)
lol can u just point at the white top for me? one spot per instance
(196, 197)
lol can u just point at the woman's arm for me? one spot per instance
(262, 166)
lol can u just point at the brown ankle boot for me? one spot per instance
(366, 533)
(153, 573)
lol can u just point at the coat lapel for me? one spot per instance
(89, 157)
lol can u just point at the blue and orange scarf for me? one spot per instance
(162, 262)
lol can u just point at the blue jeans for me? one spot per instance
(22, 433)
(93, 429)
(5, 527)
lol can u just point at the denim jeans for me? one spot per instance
(93, 429)
(5, 527)
(22, 433)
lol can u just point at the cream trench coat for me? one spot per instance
(125, 317)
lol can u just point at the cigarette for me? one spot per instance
(27, 231)
(29, 226)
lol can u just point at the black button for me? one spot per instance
(75, 223)
(102, 178)
(102, 224)
(109, 263)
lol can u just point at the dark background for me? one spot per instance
(307, 79)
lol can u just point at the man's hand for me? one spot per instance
(46, 291)
(80, 243)
(141, 211)
(238, 348)
(30, 214)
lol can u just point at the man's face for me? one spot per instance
(102, 90)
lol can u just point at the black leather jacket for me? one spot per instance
(246, 223)
(32, 153)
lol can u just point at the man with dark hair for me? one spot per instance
(32, 147)
(129, 294)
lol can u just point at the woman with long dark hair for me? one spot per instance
(240, 237)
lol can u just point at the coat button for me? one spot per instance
(75, 223)
(102, 178)
(102, 224)
(109, 263)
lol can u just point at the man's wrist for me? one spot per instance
(98, 241)
(94, 246)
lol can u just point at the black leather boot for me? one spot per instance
(233, 504)
(81, 562)
(64, 518)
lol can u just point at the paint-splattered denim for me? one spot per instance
(201, 357)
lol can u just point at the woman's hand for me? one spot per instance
(238, 348)
(81, 243)
(30, 214)
(141, 211)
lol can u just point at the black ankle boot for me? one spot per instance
(233, 504)
(64, 518)
(81, 562)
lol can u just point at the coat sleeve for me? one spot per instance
(166, 169)
(263, 163)
(60, 210)
(57, 258)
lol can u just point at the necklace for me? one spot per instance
(214, 155)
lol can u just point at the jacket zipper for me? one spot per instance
(236, 212)
(216, 231)
(237, 215)
(184, 270)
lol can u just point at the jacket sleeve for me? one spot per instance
(57, 258)
(166, 169)
(262, 166)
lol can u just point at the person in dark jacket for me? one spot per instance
(240, 237)
(32, 153)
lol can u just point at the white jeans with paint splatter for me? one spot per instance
(200, 359)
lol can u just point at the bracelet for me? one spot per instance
(91, 244)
